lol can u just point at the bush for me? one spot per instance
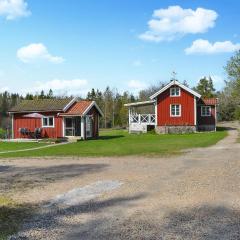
(3, 133)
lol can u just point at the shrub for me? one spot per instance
(3, 133)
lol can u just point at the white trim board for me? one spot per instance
(93, 104)
(139, 103)
(69, 104)
(175, 82)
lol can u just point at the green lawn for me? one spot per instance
(9, 146)
(120, 143)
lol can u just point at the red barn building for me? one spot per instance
(55, 118)
(175, 108)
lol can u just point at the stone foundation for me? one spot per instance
(175, 129)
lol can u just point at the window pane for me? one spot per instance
(177, 91)
(173, 110)
(177, 110)
(50, 121)
(209, 111)
(45, 121)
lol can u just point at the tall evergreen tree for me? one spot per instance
(205, 87)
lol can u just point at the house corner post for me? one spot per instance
(83, 128)
(156, 115)
(195, 112)
(12, 120)
(129, 118)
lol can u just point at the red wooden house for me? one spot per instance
(176, 108)
(55, 118)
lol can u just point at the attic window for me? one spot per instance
(175, 92)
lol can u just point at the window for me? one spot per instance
(175, 110)
(205, 111)
(175, 92)
(48, 122)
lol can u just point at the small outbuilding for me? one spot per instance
(55, 118)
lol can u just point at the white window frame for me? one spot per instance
(47, 126)
(209, 112)
(180, 110)
(173, 92)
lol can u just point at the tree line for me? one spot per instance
(112, 102)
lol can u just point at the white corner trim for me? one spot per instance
(195, 111)
(83, 127)
(90, 106)
(156, 112)
(69, 104)
(175, 82)
(63, 126)
(12, 125)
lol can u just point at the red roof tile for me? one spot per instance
(78, 108)
(210, 101)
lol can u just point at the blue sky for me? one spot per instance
(74, 45)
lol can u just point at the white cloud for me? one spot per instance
(136, 85)
(218, 81)
(137, 63)
(62, 86)
(35, 52)
(174, 22)
(12, 9)
(205, 47)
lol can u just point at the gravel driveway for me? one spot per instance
(192, 196)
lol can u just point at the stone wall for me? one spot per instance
(175, 129)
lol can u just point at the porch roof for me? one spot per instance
(81, 108)
(135, 104)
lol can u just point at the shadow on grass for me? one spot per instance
(109, 137)
(23, 178)
(221, 129)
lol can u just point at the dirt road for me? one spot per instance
(192, 196)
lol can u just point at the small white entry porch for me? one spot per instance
(78, 127)
(139, 120)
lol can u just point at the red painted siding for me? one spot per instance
(208, 120)
(31, 124)
(186, 100)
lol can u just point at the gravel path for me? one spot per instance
(193, 196)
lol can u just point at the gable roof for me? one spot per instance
(43, 105)
(209, 101)
(172, 83)
(81, 108)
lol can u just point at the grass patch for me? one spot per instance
(120, 143)
(11, 217)
(10, 146)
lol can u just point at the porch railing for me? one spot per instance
(148, 119)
